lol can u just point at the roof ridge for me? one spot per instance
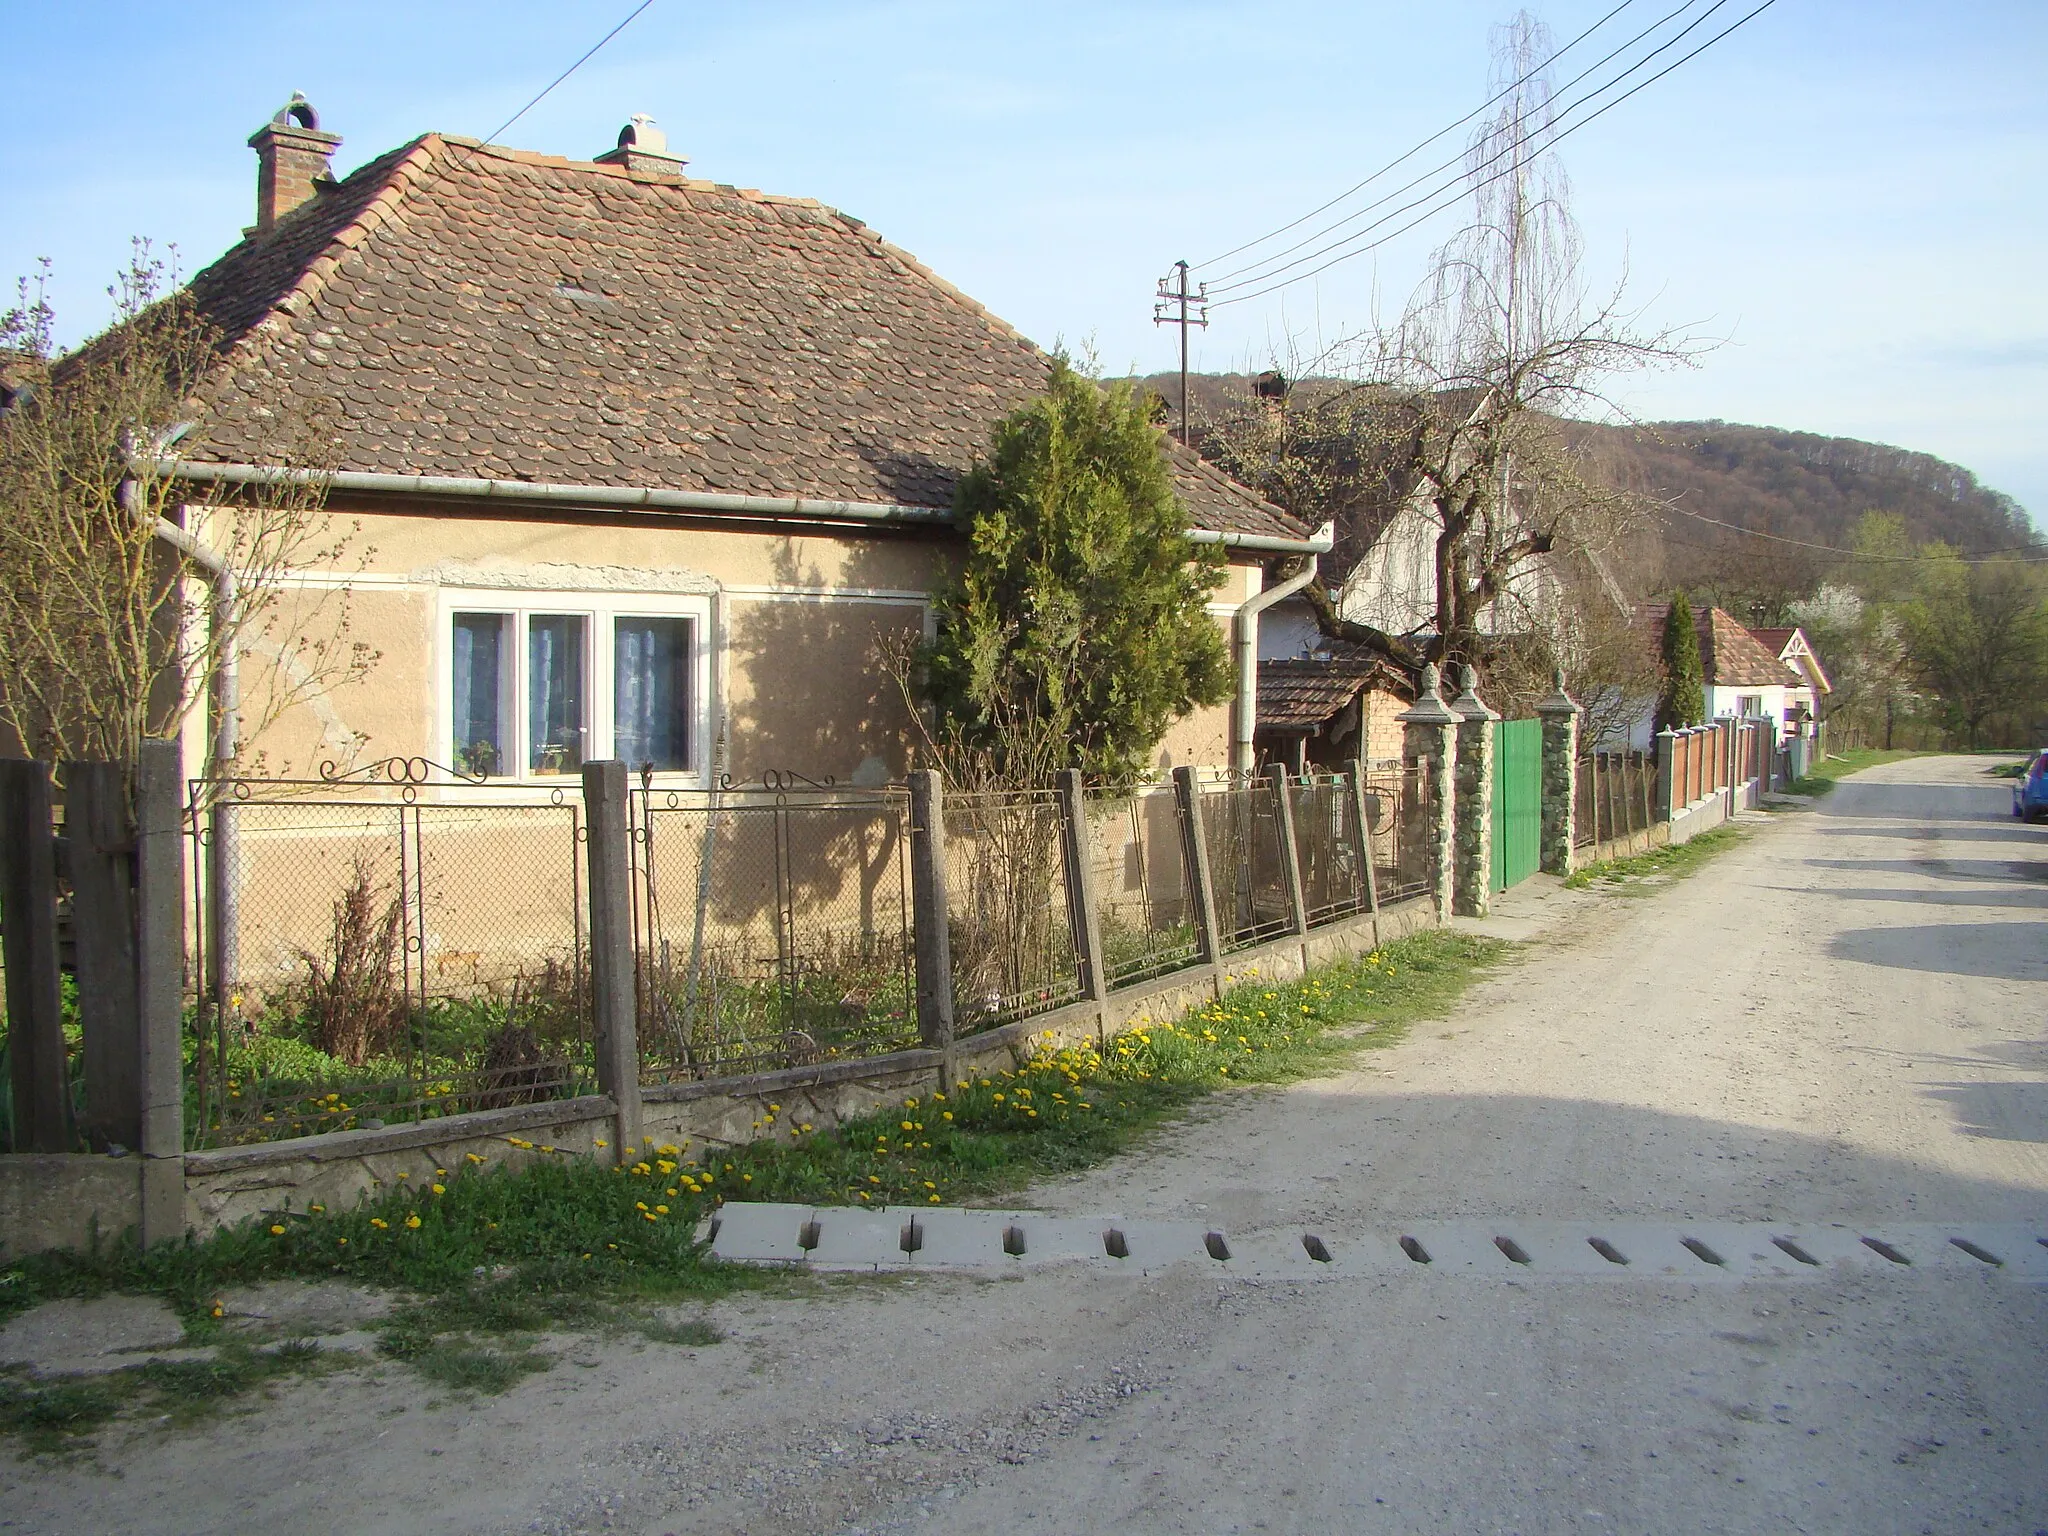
(407, 166)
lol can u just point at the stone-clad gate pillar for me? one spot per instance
(1472, 846)
(1426, 746)
(1560, 716)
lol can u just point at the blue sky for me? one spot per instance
(1850, 193)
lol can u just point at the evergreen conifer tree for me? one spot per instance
(1684, 701)
(1076, 632)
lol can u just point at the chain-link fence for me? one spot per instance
(1009, 917)
(774, 930)
(1241, 823)
(382, 948)
(1137, 855)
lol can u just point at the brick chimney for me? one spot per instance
(643, 149)
(292, 157)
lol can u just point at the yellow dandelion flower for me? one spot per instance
(661, 1210)
(949, 1114)
(380, 1224)
(413, 1220)
(440, 1189)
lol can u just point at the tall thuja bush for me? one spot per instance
(1684, 701)
(1076, 633)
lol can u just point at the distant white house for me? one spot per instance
(1742, 677)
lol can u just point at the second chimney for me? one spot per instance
(292, 156)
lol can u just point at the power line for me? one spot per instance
(1225, 279)
(1419, 148)
(1459, 184)
(492, 137)
(1993, 558)
(1458, 193)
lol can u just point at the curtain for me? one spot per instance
(479, 736)
(554, 692)
(651, 692)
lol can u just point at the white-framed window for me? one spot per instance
(534, 684)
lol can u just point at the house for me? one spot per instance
(1793, 648)
(626, 463)
(1741, 677)
(1330, 705)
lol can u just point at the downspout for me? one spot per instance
(1244, 709)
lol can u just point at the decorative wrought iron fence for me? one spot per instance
(1241, 823)
(1397, 813)
(1138, 867)
(391, 944)
(1011, 924)
(1330, 846)
(773, 927)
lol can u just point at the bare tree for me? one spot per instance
(117, 614)
(1455, 412)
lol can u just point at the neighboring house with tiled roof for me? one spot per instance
(1792, 647)
(1330, 705)
(643, 465)
(1741, 677)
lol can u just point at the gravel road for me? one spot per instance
(1842, 1020)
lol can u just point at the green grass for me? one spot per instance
(494, 1257)
(1821, 776)
(1626, 876)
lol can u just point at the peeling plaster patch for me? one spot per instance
(553, 577)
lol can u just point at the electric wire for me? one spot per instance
(2018, 554)
(1457, 193)
(1231, 279)
(492, 137)
(1419, 148)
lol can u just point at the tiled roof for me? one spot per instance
(479, 312)
(1300, 693)
(1730, 656)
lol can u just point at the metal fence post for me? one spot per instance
(614, 1028)
(1290, 848)
(160, 985)
(28, 911)
(1081, 907)
(103, 927)
(1195, 853)
(1358, 811)
(931, 919)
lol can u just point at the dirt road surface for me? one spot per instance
(1843, 1020)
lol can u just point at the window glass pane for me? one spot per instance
(479, 734)
(554, 693)
(651, 692)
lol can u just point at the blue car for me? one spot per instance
(2030, 793)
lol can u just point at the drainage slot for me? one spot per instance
(1415, 1250)
(1787, 1246)
(1218, 1249)
(807, 1236)
(1607, 1250)
(1013, 1241)
(1702, 1252)
(911, 1238)
(1878, 1245)
(1515, 1252)
(1317, 1248)
(1982, 1254)
(1114, 1245)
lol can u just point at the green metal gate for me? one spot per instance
(1517, 801)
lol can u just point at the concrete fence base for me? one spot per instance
(59, 1201)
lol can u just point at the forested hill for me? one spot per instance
(1799, 485)
(1795, 485)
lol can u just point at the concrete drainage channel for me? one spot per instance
(833, 1238)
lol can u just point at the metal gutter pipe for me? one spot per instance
(653, 500)
(1244, 709)
(529, 491)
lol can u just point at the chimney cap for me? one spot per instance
(297, 110)
(295, 123)
(643, 146)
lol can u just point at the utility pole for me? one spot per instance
(1173, 291)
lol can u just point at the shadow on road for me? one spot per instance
(2007, 951)
(2004, 871)
(2031, 898)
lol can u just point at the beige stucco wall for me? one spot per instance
(799, 617)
